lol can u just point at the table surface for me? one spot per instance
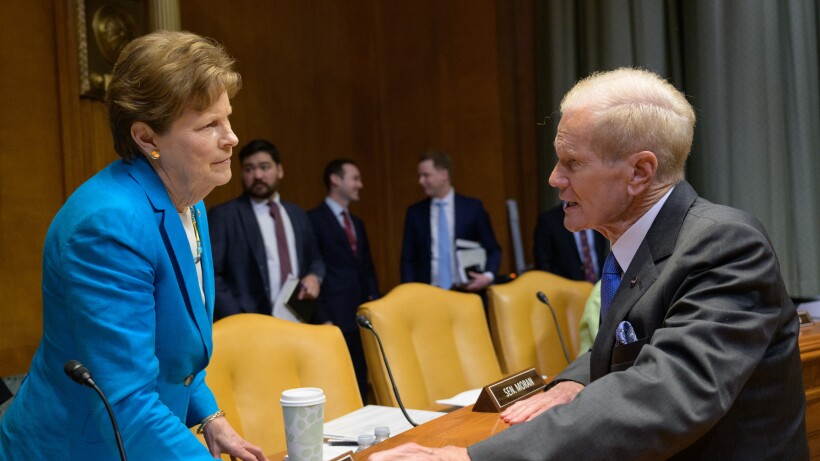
(461, 428)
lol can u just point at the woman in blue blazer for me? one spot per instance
(127, 273)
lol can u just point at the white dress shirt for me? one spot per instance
(266, 227)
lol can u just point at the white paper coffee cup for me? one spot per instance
(304, 412)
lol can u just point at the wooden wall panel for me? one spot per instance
(86, 137)
(382, 82)
(379, 82)
(31, 179)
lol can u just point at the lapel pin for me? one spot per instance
(633, 282)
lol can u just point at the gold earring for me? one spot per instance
(154, 154)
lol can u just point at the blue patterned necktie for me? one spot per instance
(610, 281)
(445, 271)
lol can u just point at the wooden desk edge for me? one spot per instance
(460, 428)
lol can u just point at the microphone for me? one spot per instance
(80, 374)
(364, 322)
(543, 298)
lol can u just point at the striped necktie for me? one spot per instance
(610, 281)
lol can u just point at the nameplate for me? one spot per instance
(804, 318)
(501, 394)
(344, 457)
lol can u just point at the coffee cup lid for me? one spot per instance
(302, 396)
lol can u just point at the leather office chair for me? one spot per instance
(256, 357)
(436, 341)
(522, 327)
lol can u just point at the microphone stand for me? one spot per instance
(365, 323)
(543, 298)
(80, 374)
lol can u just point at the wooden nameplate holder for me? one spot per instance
(501, 394)
(804, 318)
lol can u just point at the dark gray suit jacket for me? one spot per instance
(716, 372)
(240, 267)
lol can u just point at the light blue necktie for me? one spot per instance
(610, 281)
(445, 270)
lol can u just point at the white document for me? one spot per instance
(464, 243)
(812, 307)
(463, 399)
(469, 254)
(280, 310)
(364, 420)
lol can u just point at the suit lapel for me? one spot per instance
(426, 233)
(461, 220)
(339, 234)
(299, 230)
(207, 259)
(643, 271)
(176, 241)
(250, 227)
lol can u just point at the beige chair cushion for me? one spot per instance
(522, 327)
(437, 343)
(256, 357)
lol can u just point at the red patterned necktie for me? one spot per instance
(586, 258)
(351, 237)
(281, 241)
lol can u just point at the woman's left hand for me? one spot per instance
(222, 438)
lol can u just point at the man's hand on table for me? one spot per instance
(527, 409)
(419, 453)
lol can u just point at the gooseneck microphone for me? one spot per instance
(80, 374)
(365, 323)
(543, 298)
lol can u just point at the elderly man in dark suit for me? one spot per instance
(573, 255)
(426, 257)
(350, 279)
(259, 239)
(696, 356)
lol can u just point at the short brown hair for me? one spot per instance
(441, 160)
(158, 76)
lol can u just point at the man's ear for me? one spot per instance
(143, 135)
(447, 173)
(281, 170)
(335, 179)
(644, 165)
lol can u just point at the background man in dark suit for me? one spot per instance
(425, 257)
(253, 251)
(350, 279)
(712, 370)
(560, 251)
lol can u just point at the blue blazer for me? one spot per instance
(350, 279)
(472, 223)
(121, 295)
(240, 264)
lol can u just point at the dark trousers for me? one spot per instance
(354, 346)
(5, 393)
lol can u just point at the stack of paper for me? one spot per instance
(470, 257)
